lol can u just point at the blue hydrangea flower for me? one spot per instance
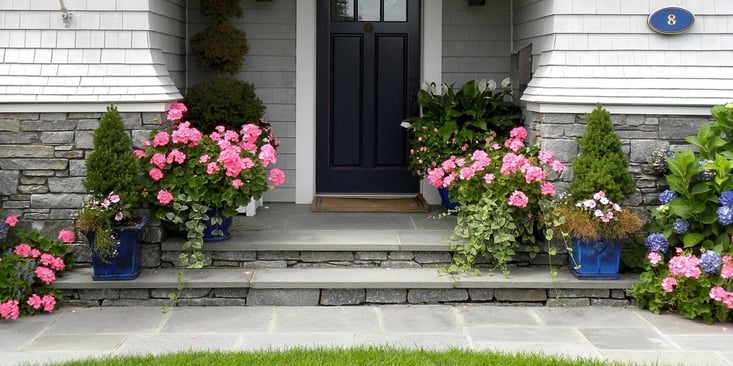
(710, 262)
(725, 215)
(726, 198)
(656, 242)
(680, 226)
(667, 196)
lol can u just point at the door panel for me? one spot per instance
(367, 72)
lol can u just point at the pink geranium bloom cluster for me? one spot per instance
(48, 302)
(685, 265)
(719, 293)
(9, 310)
(506, 162)
(228, 160)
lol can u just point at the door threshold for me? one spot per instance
(367, 195)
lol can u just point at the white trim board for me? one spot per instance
(82, 107)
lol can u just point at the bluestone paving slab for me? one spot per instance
(291, 340)
(350, 278)
(350, 222)
(432, 221)
(213, 320)
(77, 342)
(81, 278)
(419, 319)
(702, 342)
(14, 335)
(675, 324)
(478, 315)
(102, 320)
(642, 339)
(435, 341)
(667, 358)
(44, 357)
(539, 277)
(427, 240)
(589, 317)
(325, 319)
(155, 344)
(486, 334)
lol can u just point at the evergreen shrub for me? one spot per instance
(225, 102)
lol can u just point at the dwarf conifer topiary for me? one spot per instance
(601, 165)
(112, 166)
(225, 102)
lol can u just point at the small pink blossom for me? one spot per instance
(49, 303)
(114, 198)
(268, 155)
(35, 301)
(66, 236)
(467, 173)
(557, 166)
(668, 284)
(237, 183)
(46, 259)
(164, 197)
(518, 133)
(176, 156)
(727, 271)
(276, 176)
(161, 138)
(514, 144)
(518, 199)
(35, 253)
(159, 160)
(546, 157)
(203, 159)
(139, 153)
(57, 264)
(23, 250)
(547, 189)
(176, 111)
(534, 174)
(212, 168)
(480, 160)
(435, 177)
(449, 164)
(11, 220)
(10, 310)
(489, 178)
(45, 275)
(685, 266)
(654, 258)
(155, 174)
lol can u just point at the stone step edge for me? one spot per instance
(334, 245)
(343, 278)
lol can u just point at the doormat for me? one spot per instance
(370, 204)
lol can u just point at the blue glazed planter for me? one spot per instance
(446, 200)
(598, 259)
(124, 264)
(209, 235)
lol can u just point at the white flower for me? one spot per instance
(604, 201)
(599, 213)
(405, 124)
(492, 85)
(506, 82)
(482, 85)
(444, 88)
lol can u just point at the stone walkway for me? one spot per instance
(611, 333)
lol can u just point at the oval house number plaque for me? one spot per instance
(672, 20)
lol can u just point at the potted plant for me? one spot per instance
(594, 223)
(194, 178)
(454, 123)
(504, 191)
(113, 183)
(689, 264)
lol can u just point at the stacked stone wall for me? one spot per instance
(640, 135)
(42, 163)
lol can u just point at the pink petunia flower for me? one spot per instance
(518, 199)
(276, 176)
(164, 197)
(45, 275)
(66, 236)
(11, 220)
(668, 284)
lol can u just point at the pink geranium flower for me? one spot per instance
(156, 174)
(66, 236)
(11, 220)
(668, 284)
(268, 155)
(161, 138)
(35, 301)
(10, 310)
(45, 275)
(277, 177)
(164, 197)
(685, 266)
(49, 303)
(23, 250)
(518, 199)
(237, 183)
(547, 189)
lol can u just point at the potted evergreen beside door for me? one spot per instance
(113, 183)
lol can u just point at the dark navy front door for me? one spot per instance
(367, 76)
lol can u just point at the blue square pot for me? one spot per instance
(598, 259)
(125, 263)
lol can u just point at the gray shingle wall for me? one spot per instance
(270, 66)
(168, 33)
(476, 41)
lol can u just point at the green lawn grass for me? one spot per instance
(340, 357)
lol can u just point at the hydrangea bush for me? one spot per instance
(688, 267)
(29, 264)
(503, 190)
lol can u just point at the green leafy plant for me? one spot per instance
(504, 195)
(221, 10)
(190, 172)
(220, 47)
(457, 122)
(695, 220)
(222, 102)
(113, 182)
(29, 264)
(601, 165)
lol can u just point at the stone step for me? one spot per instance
(343, 286)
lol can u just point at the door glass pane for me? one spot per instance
(369, 10)
(395, 10)
(342, 10)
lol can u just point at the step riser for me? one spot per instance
(339, 297)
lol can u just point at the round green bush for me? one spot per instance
(225, 102)
(220, 47)
(221, 10)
